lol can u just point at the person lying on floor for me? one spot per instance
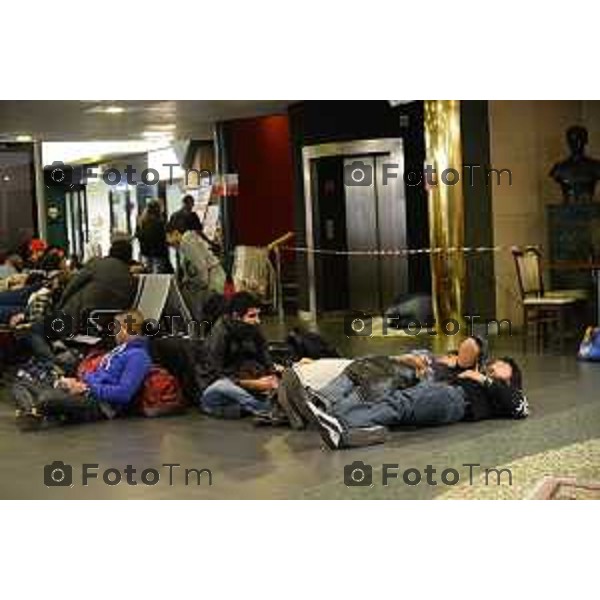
(351, 411)
(382, 372)
(239, 353)
(105, 393)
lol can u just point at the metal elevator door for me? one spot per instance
(376, 221)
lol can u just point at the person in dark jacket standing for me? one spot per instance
(102, 284)
(185, 219)
(153, 242)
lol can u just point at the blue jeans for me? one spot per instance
(427, 403)
(226, 399)
(14, 298)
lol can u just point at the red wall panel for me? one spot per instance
(261, 151)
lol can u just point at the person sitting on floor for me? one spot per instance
(239, 353)
(354, 410)
(105, 393)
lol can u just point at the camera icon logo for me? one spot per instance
(357, 173)
(102, 322)
(358, 474)
(358, 324)
(58, 474)
(58, 174)
(59, 326)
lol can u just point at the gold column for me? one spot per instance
(446, 211)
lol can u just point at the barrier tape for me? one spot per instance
(402, 251)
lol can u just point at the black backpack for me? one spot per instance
(308, 344)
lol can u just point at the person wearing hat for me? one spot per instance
(37, 248)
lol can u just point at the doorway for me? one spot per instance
(76, 220)
(352, 230)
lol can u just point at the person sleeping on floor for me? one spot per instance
(353, 403)
(105, 393)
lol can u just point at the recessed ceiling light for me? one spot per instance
(157, 134)
(23, 138)
(114, 110)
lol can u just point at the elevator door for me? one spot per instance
(376, 222)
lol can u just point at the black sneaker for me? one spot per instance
(331, 430)
(290, 396)
(297, 397)
(336, 436)
(364, 436)
(24, 399)
(30, 421)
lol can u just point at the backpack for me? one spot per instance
(308, 344)
(89, 363)
(189, 360)
(589, 349)
(160, 394)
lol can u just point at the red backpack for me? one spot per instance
(90, 363)
(160, 394)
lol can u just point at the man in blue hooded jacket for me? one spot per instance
(106, 392)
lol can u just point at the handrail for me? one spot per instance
(280, 240)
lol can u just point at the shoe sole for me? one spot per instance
(364, 436)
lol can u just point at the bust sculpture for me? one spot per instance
(578, 174)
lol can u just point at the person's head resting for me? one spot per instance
(506, 370)
(243, 306)
(131, 324)
(470, 352)
(174, 233)
(121, 250)
(187, 202)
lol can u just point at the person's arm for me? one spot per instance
(507, 402)
(130, 382)
(194, 221)
(262, 384)
(418, 362)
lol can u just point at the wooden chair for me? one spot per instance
(541, 309)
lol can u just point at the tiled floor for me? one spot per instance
(247, 462)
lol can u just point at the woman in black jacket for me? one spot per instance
(152, 237)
